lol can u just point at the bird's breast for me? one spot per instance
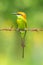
(19, 21)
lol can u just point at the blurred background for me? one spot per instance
(10, 43)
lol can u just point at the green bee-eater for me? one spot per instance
(21, 25)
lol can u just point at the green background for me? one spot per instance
(10, 43)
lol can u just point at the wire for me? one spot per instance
(16, 29)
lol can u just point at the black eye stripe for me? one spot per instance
(18, 14)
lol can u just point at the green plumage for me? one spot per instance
(22, 24)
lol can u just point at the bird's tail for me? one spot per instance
(23, 34)
(23, 45)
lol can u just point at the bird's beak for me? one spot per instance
(14, 13)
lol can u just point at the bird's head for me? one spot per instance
(20, 15)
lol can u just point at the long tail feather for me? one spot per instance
(23, 34)
(23, 53)
(23, 45)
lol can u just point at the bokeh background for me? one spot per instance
(10, 43)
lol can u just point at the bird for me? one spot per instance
(21, 25)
